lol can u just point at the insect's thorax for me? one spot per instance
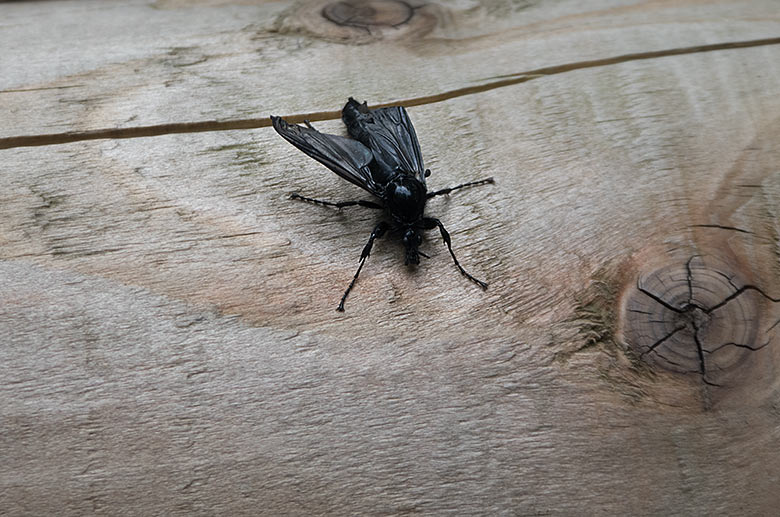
(405, 198)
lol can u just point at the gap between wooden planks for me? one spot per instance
(253, 123)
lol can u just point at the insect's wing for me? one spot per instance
(393, 141)
(346, 157)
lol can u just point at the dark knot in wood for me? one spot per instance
(367, 14)
(362, 22)
(698, 317)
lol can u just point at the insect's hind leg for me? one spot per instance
(340, 204)
(379, 230)
(430, 223)
(450, 189)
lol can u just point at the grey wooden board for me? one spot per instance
(170, 345)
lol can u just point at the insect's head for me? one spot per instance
(412, 240)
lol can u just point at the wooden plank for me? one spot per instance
(171, 346)
(126, 65)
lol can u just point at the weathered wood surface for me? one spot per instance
(169, 340)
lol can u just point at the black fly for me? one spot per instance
(384, 158)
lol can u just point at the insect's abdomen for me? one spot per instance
(353, 116)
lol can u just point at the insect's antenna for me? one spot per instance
(430, 223)
(379, 230)
(462, 185)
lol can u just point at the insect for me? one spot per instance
(382, 157)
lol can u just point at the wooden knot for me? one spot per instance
(360, 22)
(700, 318)
(362, 14)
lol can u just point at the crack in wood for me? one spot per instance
(700, 353)
(260, 122)
(721, 227)
(660, 341)
(689, 275)
(658, 300)
(737, 293)
(738, 345)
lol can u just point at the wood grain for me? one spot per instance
(169, 339)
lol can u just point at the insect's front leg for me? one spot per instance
(379, 230)
(450, 189)
(339, 204)
(430, 223)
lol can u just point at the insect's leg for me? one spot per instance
(340, 204)
(469, 184)
(379, 230)
(429, 223)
